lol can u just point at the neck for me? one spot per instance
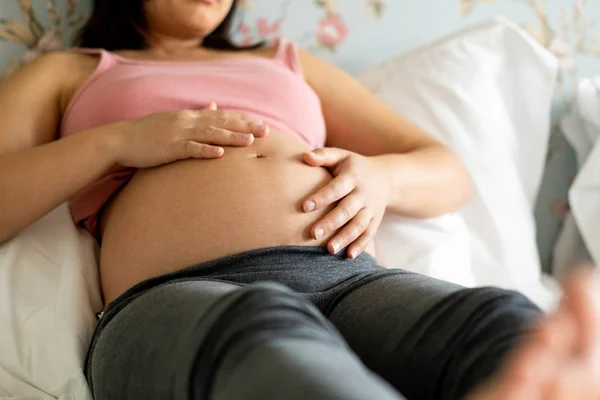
(160, 43)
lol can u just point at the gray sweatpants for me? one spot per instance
(295, 323)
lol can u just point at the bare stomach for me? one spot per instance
(174, 216)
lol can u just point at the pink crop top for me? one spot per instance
(272, 90)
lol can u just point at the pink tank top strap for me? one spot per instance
(107, 59)
(287, 53)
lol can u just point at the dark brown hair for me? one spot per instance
(120, 25)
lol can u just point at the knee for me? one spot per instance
(491, 317)
(503, 309)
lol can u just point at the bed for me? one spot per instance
(462, 81)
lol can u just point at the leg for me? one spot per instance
(429, 338)
(209, 340)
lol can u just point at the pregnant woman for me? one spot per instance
(235, 194)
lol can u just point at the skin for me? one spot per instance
(378, 160)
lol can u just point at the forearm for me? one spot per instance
(35, 181)
(425, 183)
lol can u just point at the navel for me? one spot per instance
(257, 155)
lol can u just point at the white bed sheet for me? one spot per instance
(48, 297)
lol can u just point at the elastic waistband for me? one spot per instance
(283, 262)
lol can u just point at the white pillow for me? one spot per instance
(438, 247)
(486, 92)
(49, 294)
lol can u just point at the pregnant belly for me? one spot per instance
(174, 216)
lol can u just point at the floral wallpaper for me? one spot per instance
(356, 34)
(37, 30)
(330, 32)
(567, 32)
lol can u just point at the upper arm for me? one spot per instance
(30, 103)
(356, 120)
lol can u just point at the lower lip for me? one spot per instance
(209, 1)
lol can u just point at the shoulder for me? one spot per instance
(319, 73)
(316, 71)
(59, 62)
(60, 67)
(311, 61)
(273, 49)
(65, 70)
(46, 71)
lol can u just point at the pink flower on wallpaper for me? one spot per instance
(264, 31)
(244, 29)
(332, 31)
(561, 48)
(246, 33)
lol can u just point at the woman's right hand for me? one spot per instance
(166, 137)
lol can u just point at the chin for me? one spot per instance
(201, 25)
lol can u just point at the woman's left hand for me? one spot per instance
(360, 186)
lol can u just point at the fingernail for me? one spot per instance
(354, 254)
(312, 153)
(319, 233)
(309, 206)
(336, 247)
(259, 126)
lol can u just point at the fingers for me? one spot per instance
(225, 137)
(352, 231)
(199, 121)
(190, 149)
(363, 241)
(338, 217)
(336, 189)
(326, 157)
(234, 122)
